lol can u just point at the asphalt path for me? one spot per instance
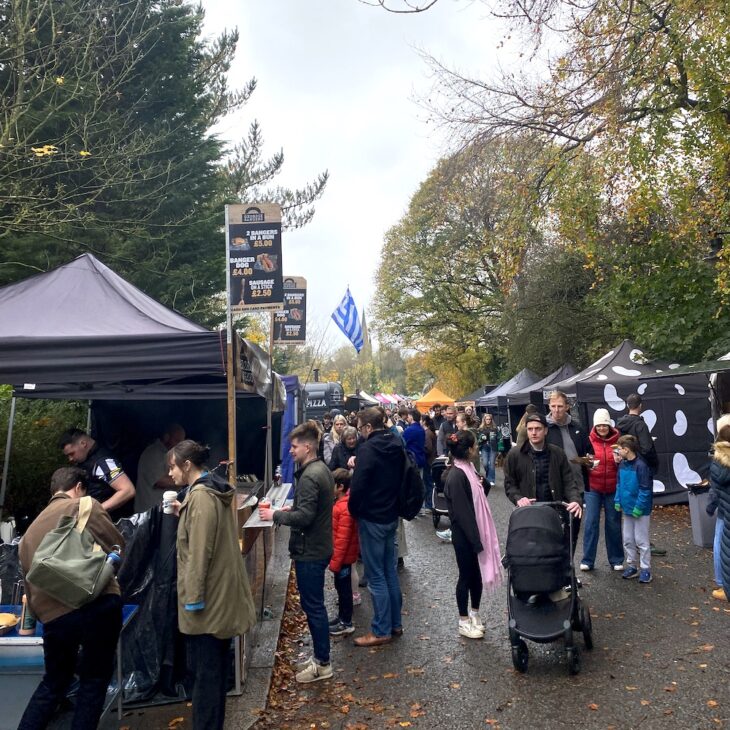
(660, 658)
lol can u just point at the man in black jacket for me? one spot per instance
(634, 425)
(374, 504)
(310, 543)
(540, 472)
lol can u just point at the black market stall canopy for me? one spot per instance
(82, 331)
(517, 382)
(471, 398)
(535, 392)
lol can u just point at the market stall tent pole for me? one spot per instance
(6, 460)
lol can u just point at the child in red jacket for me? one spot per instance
(345, 549)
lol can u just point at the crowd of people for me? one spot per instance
(602, 473)
(345, 513)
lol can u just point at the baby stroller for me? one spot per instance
(543, 599)
(440, 506)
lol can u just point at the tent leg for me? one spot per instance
(6, 461)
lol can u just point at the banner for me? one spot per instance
(253, 240)
(290, 323)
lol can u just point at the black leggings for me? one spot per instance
(470, 577)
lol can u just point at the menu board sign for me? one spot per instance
(290, 323)
(253, 240)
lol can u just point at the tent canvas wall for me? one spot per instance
(495, 402)
(471, 398)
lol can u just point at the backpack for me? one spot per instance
(68, 565)
(410, 496)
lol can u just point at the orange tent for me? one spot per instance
(433, 396)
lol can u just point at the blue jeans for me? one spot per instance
(428, 487)
(379, 557)
(310, 582)
(488, 456)
(595, 501)
(716, 547)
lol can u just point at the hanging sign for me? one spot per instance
(253, 241)
(290, 323)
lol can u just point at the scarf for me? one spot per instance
(489, 561)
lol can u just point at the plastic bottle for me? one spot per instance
(27, 620)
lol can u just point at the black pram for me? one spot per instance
(543, 596)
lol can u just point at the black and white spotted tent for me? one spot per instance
(676, 410)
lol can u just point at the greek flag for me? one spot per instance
(348, 320)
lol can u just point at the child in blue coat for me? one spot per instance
(634, 492)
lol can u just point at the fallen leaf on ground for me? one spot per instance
(630, 688)
(455, 685)
(707, 647)
(712, 703)
(593, 706)
(345, 709)
(415, 670)
(390, 675)
(645, 702)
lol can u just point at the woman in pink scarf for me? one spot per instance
(473, 534)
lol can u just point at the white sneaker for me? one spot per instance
(444, 535)
(470, 631)
(619, 568)
(585, 567)
(476, 621)
(314, 671)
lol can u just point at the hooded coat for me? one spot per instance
(602, 478)
(210, 567)
(720, 481)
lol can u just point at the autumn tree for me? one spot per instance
(448, 266)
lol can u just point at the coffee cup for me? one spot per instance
(167, 499)
(264, 503)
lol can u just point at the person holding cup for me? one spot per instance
(214, 596)
(602, 482)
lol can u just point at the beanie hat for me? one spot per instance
(601, 418)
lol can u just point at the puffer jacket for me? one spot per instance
(634, 490)
(602, 478)
(214, 595)
(345, 543)
(720, 481)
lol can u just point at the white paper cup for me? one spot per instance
(167, 499)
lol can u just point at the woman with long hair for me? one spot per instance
(473, 533)
(487, 439)
(213, 592)
(332, 438)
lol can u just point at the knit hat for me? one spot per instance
(536, 417)
(601, 418)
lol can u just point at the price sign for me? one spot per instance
(290, 323)
(253, 240)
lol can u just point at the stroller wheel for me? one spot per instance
(574, 662)
(586, 627)
(436, 519)
(520, 656)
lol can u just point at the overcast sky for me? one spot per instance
(338, 90)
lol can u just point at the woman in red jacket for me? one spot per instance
(345, 549)
(602, 481)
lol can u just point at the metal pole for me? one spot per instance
(6, 461)
(269, 476)
(230, 370)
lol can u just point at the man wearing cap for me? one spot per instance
(540, 472)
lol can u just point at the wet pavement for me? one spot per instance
(660, 658)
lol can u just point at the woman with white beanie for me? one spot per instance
(602, 482)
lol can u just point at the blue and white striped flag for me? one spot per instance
(348, 321)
